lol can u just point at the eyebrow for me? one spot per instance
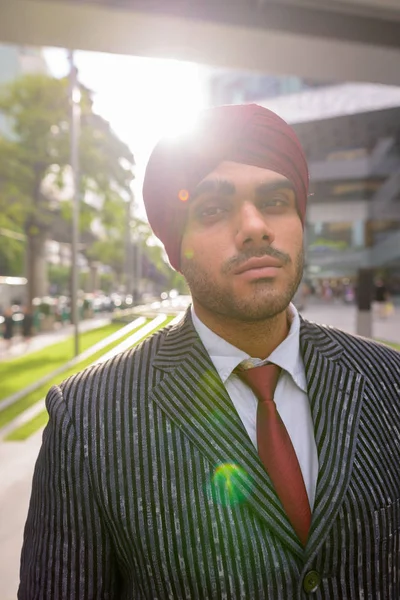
(274, 186)
(214, 186)
(227, 188)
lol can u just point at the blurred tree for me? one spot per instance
(109, 251)
(168, 277)
(35, 176)
(158, 267)
(12, 253)
(178, 282)
(112, 248)
(109, 247)
(106, 282)
(59, 276)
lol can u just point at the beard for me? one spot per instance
(263, 302)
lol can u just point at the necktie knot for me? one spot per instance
(262, 380)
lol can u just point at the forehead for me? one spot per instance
(241, 174)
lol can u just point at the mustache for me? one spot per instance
(237, 261)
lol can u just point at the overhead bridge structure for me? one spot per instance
(335, 40)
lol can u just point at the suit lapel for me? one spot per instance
(335, 392)
(194, 397)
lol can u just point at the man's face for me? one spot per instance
(242, 248)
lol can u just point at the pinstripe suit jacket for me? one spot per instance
(132, 497)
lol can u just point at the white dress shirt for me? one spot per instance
(290, 395)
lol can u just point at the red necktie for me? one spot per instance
(276, 450)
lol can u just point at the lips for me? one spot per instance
(263, 262)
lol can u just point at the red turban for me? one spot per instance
(246, 134)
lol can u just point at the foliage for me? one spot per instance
(11, 256)
(45, 309)
(106, 282)
(172, 280)
(110, 251)
(332, 244)
(59, 275)
(35, 178)
(35, 175)
(178, 282)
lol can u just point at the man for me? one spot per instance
(381, 297)
(176, 470)
(8, 328)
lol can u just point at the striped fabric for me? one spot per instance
(148, 486)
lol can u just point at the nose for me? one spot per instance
(252, 227)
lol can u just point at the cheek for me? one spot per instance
(204, 248)
(190, 247)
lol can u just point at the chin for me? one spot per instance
(263, 293)
(258, 309)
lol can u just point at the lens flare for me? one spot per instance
(189, 254)
(183, 195)
(230, 485)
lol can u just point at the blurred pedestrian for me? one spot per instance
(243, 453)
(27, 324)
(8, 328)
(381, 297)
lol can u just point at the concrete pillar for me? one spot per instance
(358, 234)
(36, 266)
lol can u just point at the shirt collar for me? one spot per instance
(227, 357)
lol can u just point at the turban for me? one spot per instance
(248, 134)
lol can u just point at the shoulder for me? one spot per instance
(353, 344)
(132, 364)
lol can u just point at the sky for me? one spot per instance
(142, 98)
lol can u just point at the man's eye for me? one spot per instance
(211, 211)
(278, 202)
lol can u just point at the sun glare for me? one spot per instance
(146, 99)
(143, 98)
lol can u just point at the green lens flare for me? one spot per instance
(189, 253)
(230, 485)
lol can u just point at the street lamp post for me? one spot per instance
(128, 247)
(74, 129)
(138, 269)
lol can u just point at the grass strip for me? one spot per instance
(27, 429)
(30, 427)
(18, 373)
(391, 344)
(12, 411)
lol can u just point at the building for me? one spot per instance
(16, 61)
(351, 136)
(354, 211)
(236, 87)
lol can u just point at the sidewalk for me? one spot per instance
(41, 340)
(16, 469)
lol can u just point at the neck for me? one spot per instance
(258, 339)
